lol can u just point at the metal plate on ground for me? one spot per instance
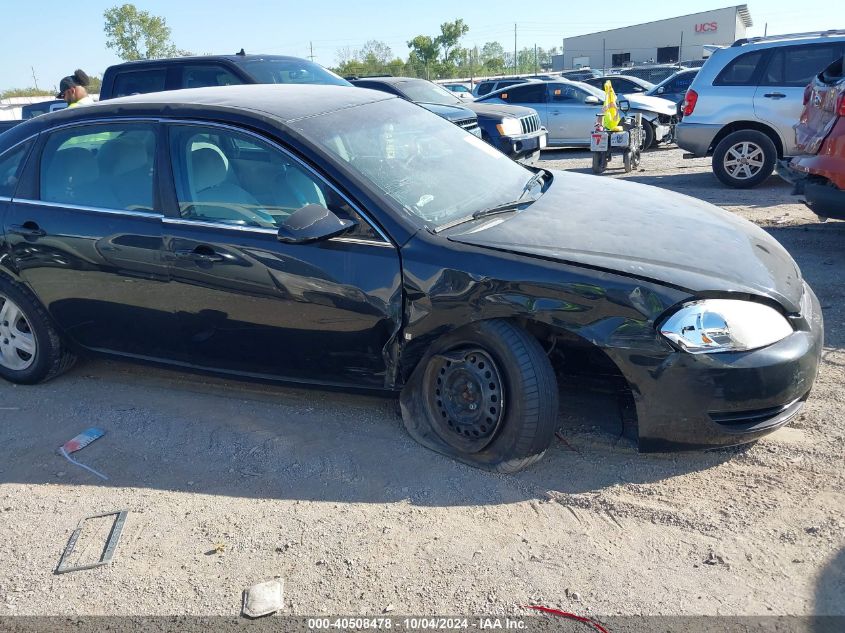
(108, 550)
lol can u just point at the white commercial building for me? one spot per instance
(671, 40)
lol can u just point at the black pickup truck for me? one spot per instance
(156, 75)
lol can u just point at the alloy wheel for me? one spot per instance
(17, 340)
(744, 160)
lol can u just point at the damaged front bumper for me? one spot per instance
(686, 401)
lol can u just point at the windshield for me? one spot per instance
(427, 92)
(291, 71)
(432, 168)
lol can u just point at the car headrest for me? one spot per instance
(121, 156)
(208, 168)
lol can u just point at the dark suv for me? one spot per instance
(145, 76)
(514, 130)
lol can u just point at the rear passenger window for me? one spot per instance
(102, 166)
(196, 76)
(795, 66)
(10, 168)
(533, 93)
(740, 72)
(484, 88)
(139, 82)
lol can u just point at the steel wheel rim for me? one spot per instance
(466, 398)
(17, 340)
(744, 160)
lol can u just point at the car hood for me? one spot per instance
(499, 111)
(645, 232)
(651, 104)
(450, 112)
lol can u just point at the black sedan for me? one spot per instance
(337, 236)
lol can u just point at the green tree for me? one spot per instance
(492, 58)
(95, 85)
(424, 51)
(373, 58)
(449, 39)
(376, 53)
(135, 34)
(25, 92)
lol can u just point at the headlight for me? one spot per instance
(509, 127)
(725, 325)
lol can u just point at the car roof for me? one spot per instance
(773, 41)
(235, 59)
(525, 80)
(631, 78)
(282, 102)
(390, 80)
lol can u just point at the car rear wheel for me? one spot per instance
(486, 396)
(744, 159)
(31, 350)
(648, 135)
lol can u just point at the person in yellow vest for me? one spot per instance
(73, 89)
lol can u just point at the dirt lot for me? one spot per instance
(327, 491)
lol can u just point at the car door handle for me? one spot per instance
(29, 229)
(199, 255)
(774, 95)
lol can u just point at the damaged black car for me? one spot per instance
(338, 236)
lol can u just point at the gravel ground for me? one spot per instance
(229, 484)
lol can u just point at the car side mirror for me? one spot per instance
(312, 223)
(661, 90)
(591, 100)
(624, 105)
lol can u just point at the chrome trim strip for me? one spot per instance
(105, 120)
(5, 199)
(268, 141)
(220, 225)
(266, 231)
(79, 207)
(363, 242)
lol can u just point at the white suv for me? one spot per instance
(744, 101)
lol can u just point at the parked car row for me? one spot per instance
(568, 110)
(516, 131)
(743, 104)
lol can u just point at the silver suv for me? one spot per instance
(744, 101)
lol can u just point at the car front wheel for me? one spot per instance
(486, 396)
(744, 159)
(648, 136)
(31, 350)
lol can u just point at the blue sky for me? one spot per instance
(53, 38)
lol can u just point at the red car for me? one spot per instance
(819, 173)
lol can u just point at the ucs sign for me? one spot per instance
(706, 27)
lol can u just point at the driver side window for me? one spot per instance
(236, 179)
(561, 93)
(532, 93)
